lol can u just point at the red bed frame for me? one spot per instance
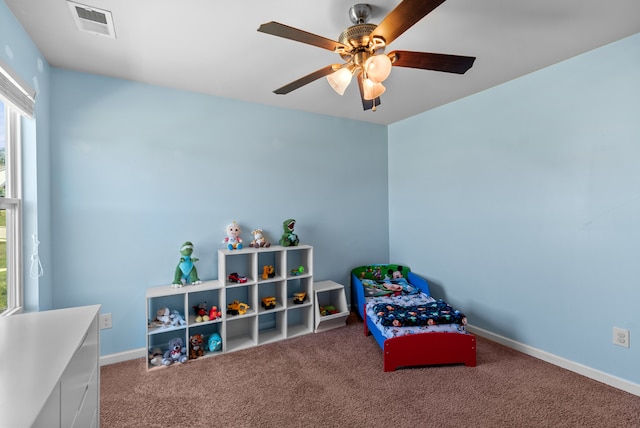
(427, 349)
(421, 349)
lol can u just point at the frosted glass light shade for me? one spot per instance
(378, 68)
(372, 90)
(339, 80)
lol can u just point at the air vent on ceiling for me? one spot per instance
(92, 20)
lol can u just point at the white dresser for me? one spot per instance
(49, 369)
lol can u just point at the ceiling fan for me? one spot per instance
(362, 46)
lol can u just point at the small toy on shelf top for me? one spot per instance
(233, 240)
(186, 272)
(259, 240)
(289, 238)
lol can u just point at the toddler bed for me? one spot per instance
(411, 327)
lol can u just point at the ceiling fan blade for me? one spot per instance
(403, 17)
(367, 104)
(307, 79)
(432, 61)
(281, 30)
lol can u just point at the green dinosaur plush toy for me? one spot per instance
(186, 271)
(289, 238)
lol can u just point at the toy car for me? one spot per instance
(237, 308)
(269, 302)
(298, 298)
(234, 277)
(328, 310)
(297, 271)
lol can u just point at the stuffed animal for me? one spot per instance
(233, 240)
(186, 270)
(201, 312)
(195, 346)
(177, 319)
(155, 357)
(163, 317)
(214, 313)
(176, 353)
(215, 343)
(259, 240)
(289, 238)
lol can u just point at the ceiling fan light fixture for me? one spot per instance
(378, 68)
(340, 79)
(372, 90)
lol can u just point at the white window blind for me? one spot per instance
(15, 91)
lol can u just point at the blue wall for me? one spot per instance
(139, 169)
(526, 206)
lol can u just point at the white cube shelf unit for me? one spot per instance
(183, 300)
(292, 274)
(329, 294)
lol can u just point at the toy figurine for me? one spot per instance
(268, 271)
(297, 271)
(214, 313)
(201, 312)
(215, 342)
(289, 238)
(258, 239)
(233, 240)
(176, 353)
(195, 346)
(186, 271)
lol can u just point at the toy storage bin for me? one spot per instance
(329, 293)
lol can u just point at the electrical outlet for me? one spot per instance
(621, 337)
(105, 321)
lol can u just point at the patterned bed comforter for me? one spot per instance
(411, 314)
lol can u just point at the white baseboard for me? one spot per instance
(123, 356)
(616, 382)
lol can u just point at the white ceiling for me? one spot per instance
(213, 47)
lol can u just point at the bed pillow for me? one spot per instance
(379, 272)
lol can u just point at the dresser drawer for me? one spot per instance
(87, 413)
(75, 381)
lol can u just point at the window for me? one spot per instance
(16, 101)
(10, 225)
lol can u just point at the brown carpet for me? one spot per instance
(335, 379)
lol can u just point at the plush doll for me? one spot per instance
(195, 346)
(186, 270)
(214, 313)
(215, 343)
(233, 240)
(163, 317)
(289, 238)
(201, 312)
(176, 353)
(177, 319)
(258, 239)
(155, 357)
